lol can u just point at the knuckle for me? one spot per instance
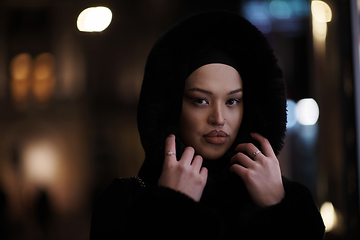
(236, 157)
(200, 181)
(250, 175)
(167, 163)
(270, 162)
(266, 162)
(264, 141)
(239, 155)
(247, 145)
(182, 168)
(168, 168)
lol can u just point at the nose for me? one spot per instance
(216, 116)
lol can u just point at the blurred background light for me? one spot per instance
(20, 71)
(280, 9)
(300, 7)
(321, 11)
(20, 66)
(94, 19)
(321, 14)
(44, 80)
(277, 15)
(307, 111)
(41, 163)
(329, 216)
(291, 114)
(257, 13)
(319, 30)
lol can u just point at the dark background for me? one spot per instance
(74, 131)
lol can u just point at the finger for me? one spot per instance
(197, 162)
(170, 147)
(204, 173)
(242, 159)
(249, 149)
(264, 143)
(187, 156)
(239, 170)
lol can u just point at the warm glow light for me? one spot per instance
(20, 66)
(307, 111)
(20, 71)
(43, 82)
(328, 214)
(44, 66)
(94, 19)
(321, 11)
(41, 162)
(319, 30)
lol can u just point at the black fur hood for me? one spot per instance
(166, 70)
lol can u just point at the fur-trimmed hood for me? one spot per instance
(166, 70)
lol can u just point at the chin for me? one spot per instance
(210, 155)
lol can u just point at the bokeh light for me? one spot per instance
(291, 113)
(276, 15)
(319, 30)
(329, 216)
(258, 14)
(321, 11)
(307, 111)
(321, 15)
(41, 162)
(44, 80)
(280, 9)
(94, 19)
(20, 71)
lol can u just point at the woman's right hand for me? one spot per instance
(186, 175)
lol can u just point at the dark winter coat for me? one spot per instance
(128, 210)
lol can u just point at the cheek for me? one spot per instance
(235, 119)
(191, 124)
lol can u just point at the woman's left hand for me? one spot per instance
(261, 175)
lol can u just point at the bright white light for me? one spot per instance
(291, 115)
(319, 30)
(321, 11)
(94, 19)
(328, 214)
(307, 111)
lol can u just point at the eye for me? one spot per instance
(200, 101)
(233, 101)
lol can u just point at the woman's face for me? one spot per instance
(212, 109)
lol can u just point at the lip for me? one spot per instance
(216, 137)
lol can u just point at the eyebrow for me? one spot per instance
(207, 92)
(236, 91)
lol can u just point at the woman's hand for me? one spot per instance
(185, 175)
(261, 175)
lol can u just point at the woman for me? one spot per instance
(211, 117)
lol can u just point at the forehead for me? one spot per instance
(215, 76)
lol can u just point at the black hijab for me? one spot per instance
(175, 55)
